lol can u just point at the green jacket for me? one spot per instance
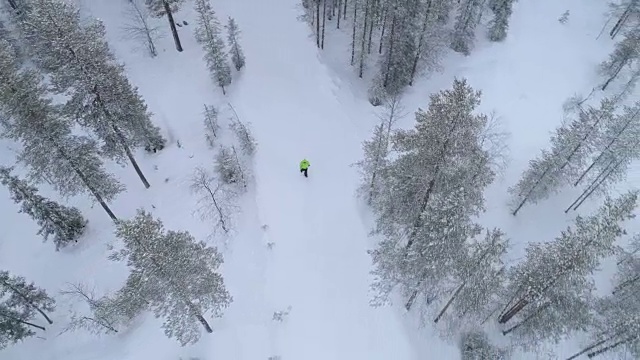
(304, 164)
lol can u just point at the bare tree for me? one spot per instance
(214, 202)
(105, 314)
(138, 26)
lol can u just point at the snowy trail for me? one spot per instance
(319, 266)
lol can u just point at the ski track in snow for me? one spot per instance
(318, 264)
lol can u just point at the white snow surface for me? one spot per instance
(300, 103)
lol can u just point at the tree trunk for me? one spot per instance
(339, 14)
(416, 58)
(610, 347)
(590, 347)
(533, 187)
(85, 181)
(364, 38)
(446, 306)
(204, 323)
(596, 186)
(584, 138)
(121, 137)
(414, 295)
(615, 138)
(535, 313)
(615, 74)
(324, 20)
(127, 150)
(172, 24)
(625, 283)
(515, 309)
(353, 36)
(370, 36)
(621, 21)
(6, 316)
(384, 26)
(387, 71)
(28, 301)
(13, 4)
(425, 201)
(223, 224)
(318, 23)
(344, 10)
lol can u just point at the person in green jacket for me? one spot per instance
(304, 167)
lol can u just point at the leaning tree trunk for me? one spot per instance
(86, 182)
(324, 21)
(364, 38)
(172, 24)
(204, 323)
(318, 23)
(6, 316)
(122, 138)
(28, 301)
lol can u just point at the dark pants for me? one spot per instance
(304, 171)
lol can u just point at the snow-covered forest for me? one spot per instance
(472, 191)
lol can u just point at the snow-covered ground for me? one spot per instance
(301, 103)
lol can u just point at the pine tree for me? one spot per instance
(436, 183)
(211, 123)
(479, 275)
(376, 151)
(500, 23)
(571, 146)
(550, 294)
(69, 162)
(245, 139)
(625, 55)
(208, 35)
(617, 321)
(64, 223)
(616, 147)
(20, 302)
(399, 47)
(233, 36)
(624, 11)
(431, 38)
(82, 67)
(475, 345)
(228, 166)
(166, 8)
(175, 275)
(465, 26)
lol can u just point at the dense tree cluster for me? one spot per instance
(397, 40)
(68, 104)
(425, 187)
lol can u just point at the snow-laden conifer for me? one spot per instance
(53, 154)
(63, 224)
(500, 23)
(571, 146)
(81, 65)
(434, 187)
(550, 294)
(174, 274)
(233, 38)
(20, 304)
(464, 32)
(208, 35)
